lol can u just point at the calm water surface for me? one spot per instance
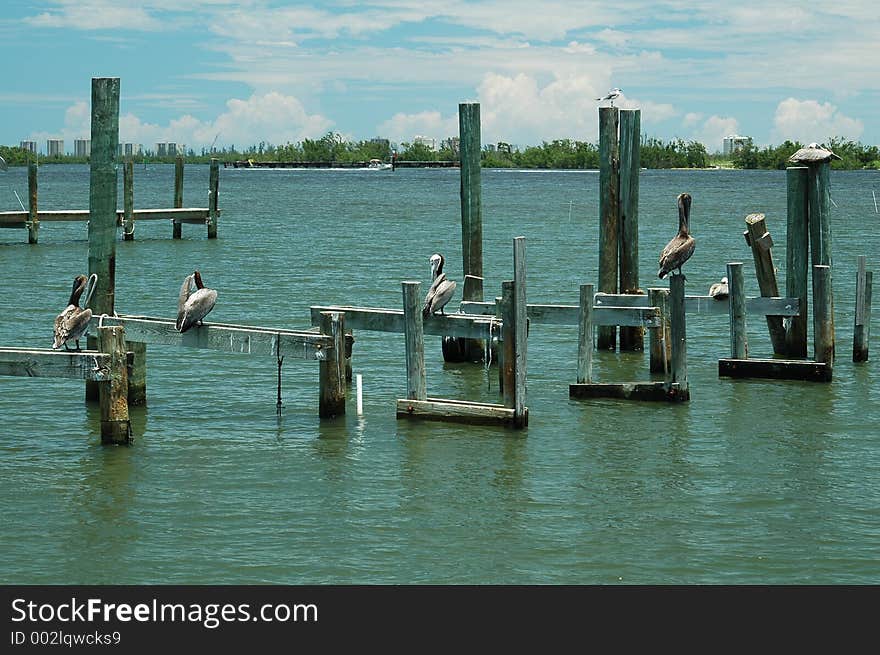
(750, 482)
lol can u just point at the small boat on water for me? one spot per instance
(379, 165)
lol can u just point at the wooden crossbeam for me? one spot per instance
(634, 316)
(241, 339)
(391, 320)
(442, 409)
(651, 391)
(43, 363)
(178, 215)
(761, 306)
(775, 369)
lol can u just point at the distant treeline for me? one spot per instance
(560, 154)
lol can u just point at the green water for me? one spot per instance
(750, 482)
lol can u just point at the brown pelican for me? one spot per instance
(813, 153)
(681, 247)
(71, 324)
(611, 95)
(193, 306)
(441, 289)
(719, 290)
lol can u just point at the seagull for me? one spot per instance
(681, 246)
(611, 96)
(812, 153)
(719, 290)
(441, 289)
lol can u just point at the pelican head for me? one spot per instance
(437, 261)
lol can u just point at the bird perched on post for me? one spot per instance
(719, 290)
(73, 322)
(441, 289)
(193, 306)
(813, 153)
(610, 96)
(681, 247)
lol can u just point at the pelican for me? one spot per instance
(193, 306)
(681, 247)
(441, 289)
(719, 290)
(813, 153)
(610, 96)
(71, 324)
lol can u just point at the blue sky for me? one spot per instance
(193, 71)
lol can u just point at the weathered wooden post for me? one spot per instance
(609, 212)
(113, 394)
(499, 350)
(470, 148)
(796, 256)
(632, 337)
(862, 322)
(178, 195)
(819, 198)
(585, 335)
(331, 369)
(513, 361)
(414, 339)
(213, 198)
(823, 316)
(660, 339)
(759, 240)
(102, 201)
(33, 215)
(128, 200)
(678, 331)
(521, 329)
(739, 347)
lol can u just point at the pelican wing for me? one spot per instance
(676, 253)
(61, 330)
(71, 325)
(439, 295)
(196, 307)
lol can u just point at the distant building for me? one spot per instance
(172, 149)
(161, 149)
(82, 147)
(54, 147)
(452, 143)
(30, 146)
(427, 141)
(733, 143)
(169, 149)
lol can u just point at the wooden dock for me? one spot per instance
(248, 163)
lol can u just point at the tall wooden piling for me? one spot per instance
(178, 195)
(862, 322)
(331, 369)
(678, 331)
(213, 197)
(471, 203)
(659, 337)
(585, 335)
(797, 258)
(521, 329)
(102, 200)
(113, 394)
(33, 214)
(819, 198)
(759, 240)
(128, 200)
(631, 337)
(739, 348)
(609, 212)
(414, 340)
(507, 362)
(823, 316)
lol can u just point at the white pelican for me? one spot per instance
(719, 290)
(681, 247)
(441, 289)
(193, 306)
(610, 96)
(73, 322)
(813, 152)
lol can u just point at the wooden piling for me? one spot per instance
(823, 315)
(102, 200)
(759, 240)
(128, 200)
(471, 203)
(178, 195)
(739, 348)
(862, 322)
(819, 198)
(457, 349)
(508, 344)
(33, 214)
(137, 378)
(331, 369)
(796, 258)
(113, 394)
(678, 332)
(585, 335)
(213, 197)
(631, 338)
(521, 328)
(659, 337)
(609, 212)
(414, 339)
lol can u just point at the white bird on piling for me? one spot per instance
(719, 290)
(681, 246)
(610, 96)
(441, 289)
(73, 322)
(193, 306)
(813, 153)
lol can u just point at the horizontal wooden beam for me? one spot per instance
(439, 409)
(176, 214)
(229, 338)
(759, 305)
(568, 314)
(775, 369)
(651, 391)
(391, 320)
(39, 363)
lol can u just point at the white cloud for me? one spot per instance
(403, 127)
(808, 120)
(96, 15)
(713, 130)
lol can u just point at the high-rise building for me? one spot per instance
(428, 141)
(82, 147)
(30, 146)
(54, 147)
(734, 143)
